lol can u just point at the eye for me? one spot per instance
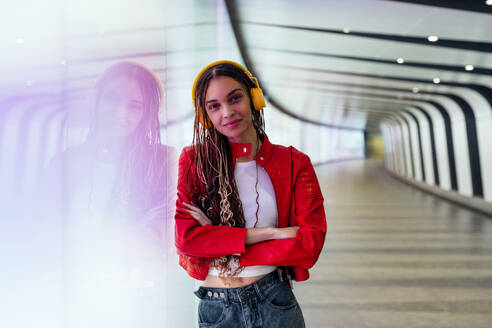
(235, 98)
(213, 106)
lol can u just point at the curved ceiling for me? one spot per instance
(317, 59)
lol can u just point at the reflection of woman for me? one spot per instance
(121, 173)
(125, 132)
(249, 213)
(118, 189)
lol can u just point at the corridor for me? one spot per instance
(396, 257)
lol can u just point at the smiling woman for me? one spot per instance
(249, 214)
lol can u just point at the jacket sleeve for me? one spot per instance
(193, 239)
(307, 213)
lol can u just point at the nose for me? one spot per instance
(227, 111)
(121, 111)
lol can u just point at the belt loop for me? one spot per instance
(258, 292)
(226, 297)
(280, 275)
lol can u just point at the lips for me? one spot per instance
(232, 124)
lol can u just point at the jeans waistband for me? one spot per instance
(242, 294)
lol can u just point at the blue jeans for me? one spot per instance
(268, 302)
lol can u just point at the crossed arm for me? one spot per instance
(253, 235)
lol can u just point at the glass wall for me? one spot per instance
(86, 221)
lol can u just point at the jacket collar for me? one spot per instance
(244, 149)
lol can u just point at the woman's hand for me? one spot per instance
(197, 214)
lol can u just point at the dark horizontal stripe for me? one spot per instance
(392, 99)
(291, 114)
(485, 91)
(467, 5)
(420, 40)
(443, 67)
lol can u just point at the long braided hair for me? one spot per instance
(141, 171)
(218, 196)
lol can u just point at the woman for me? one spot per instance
(118, 189)
(249, 214)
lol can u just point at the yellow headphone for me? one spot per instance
(256, 93)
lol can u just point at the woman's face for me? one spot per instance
(120, 108)
(228, 106)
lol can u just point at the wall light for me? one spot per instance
(432, 38)
(469, 67)
(400, 60)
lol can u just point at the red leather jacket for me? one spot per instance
(299, 203)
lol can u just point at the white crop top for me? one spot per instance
(245, 176)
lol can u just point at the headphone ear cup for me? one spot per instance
(258, 98)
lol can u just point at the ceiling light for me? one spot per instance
(488, 2)
(346, 31)
(432, 38)
(415, 90)
(469, 67)
(400, 60)
(436, 80)
(19, 41)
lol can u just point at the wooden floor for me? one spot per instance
(396, 257)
